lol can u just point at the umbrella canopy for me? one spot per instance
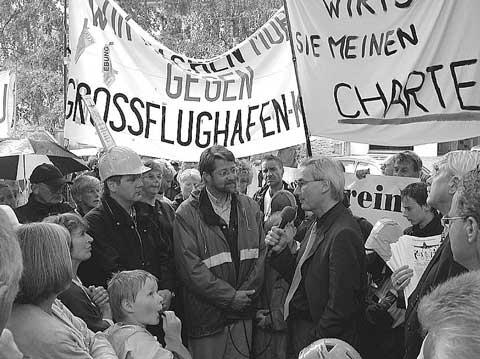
(19, 157)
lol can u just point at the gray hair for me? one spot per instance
(46, 260)
(450, 315)
(80, 183)
(457, 163)
(188, 173)
(326, 168)
(469, 195)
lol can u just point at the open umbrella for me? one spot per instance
(19, 157)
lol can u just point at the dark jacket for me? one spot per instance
(333, 276)
(441, 267)
(207, 265)
(82, 306)
(433, 228)
(121, 244)
(177, 201)
(34, 211)
(259, 197)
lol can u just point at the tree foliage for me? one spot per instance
(32, 42)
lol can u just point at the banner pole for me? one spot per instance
(65, 69)
(300, 97)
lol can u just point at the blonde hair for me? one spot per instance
(125, 285)
(46, 260)
(11, 264)
(70, 221)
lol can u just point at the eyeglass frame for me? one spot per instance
(228, 171)
(446, 220)
(303, 183)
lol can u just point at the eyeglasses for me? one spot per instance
(446, 220)
(300, 183)
(227, 171)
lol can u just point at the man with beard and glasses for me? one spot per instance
(219, 252)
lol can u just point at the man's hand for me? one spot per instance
(278, 238)
(263, 318)
(401, 278)
(242, 299)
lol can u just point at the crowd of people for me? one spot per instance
(152, 261)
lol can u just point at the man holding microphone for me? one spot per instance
(327, 273)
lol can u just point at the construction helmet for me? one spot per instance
(120, 161)
(329, 349)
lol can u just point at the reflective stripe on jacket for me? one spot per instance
(205, 266)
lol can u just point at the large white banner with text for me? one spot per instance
(163, 104)
(388, 72)
(376, 197)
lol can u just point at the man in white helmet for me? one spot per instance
(123, 239)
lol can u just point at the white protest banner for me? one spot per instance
(163, 104)
(388, 72)
(7, 102)
(376, 197)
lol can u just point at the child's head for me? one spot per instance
(134, 298)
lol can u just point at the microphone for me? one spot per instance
(288, 214)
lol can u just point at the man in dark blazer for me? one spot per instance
(327, 272)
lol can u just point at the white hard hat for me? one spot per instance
(329, 349)
(120, 161)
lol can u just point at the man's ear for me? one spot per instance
(127, 306)
(112, 186)
(206, 177)
(453, 185)
(471, 228)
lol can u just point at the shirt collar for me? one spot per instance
(216, 202)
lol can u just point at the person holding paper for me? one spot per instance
(327, 274)
(450, 312)
(425, 220)
(443, 184)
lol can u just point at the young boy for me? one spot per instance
(135, 303)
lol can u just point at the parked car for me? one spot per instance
(361, 164)
(372, 164)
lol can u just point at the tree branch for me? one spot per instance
(15, 13)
